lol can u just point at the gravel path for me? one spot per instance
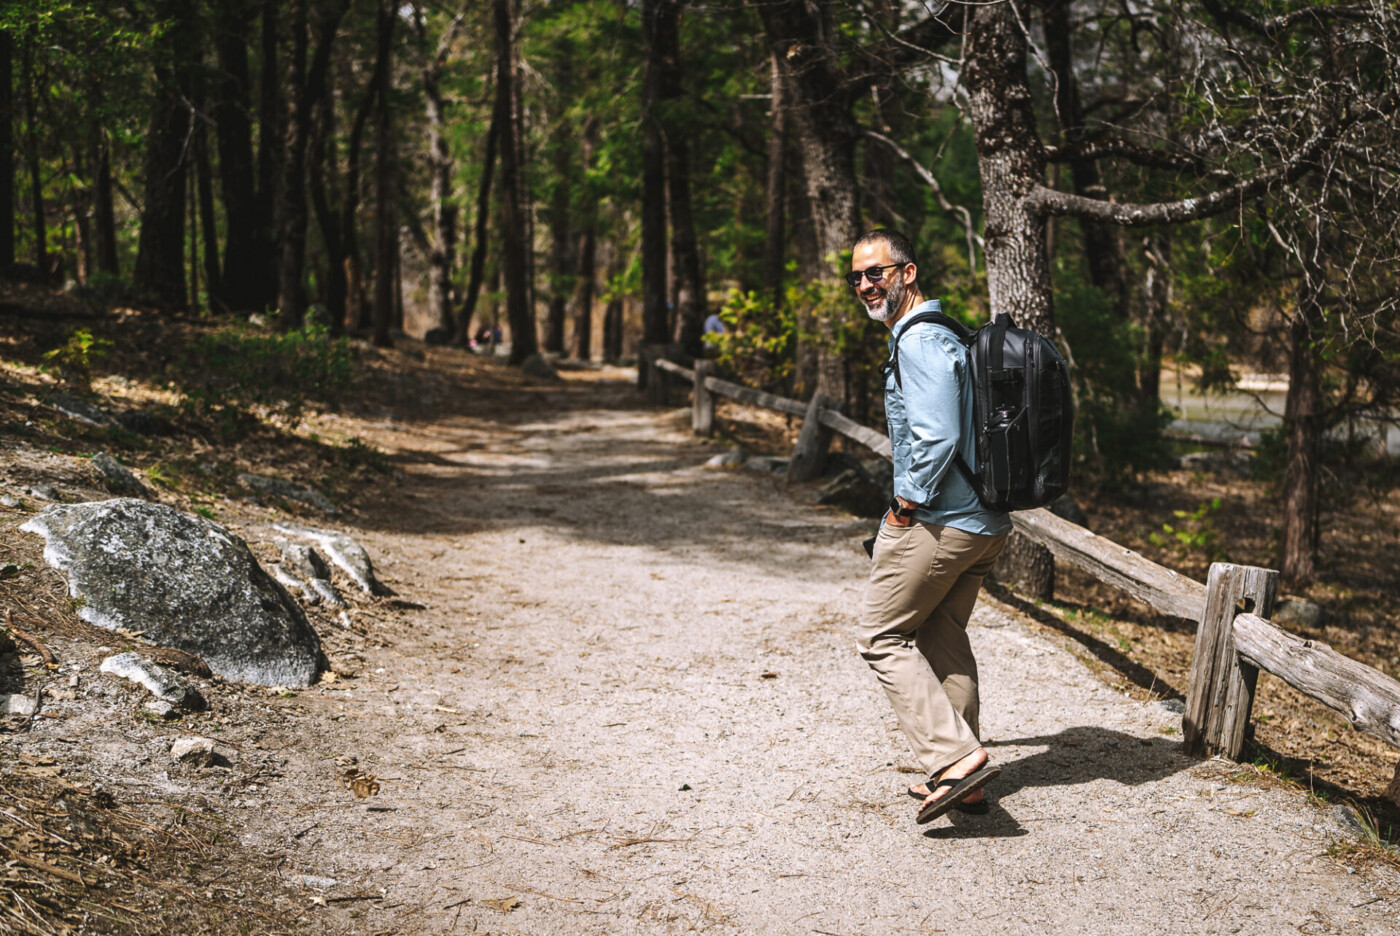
(632, 706)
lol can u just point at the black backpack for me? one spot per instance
(1022, 412)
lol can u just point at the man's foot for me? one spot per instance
(947, 785)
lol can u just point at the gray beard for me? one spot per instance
(894, 298)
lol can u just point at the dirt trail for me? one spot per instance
(631, 705)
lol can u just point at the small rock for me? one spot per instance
(537, 366)
(731, 459)
(198, 752)
(1175, 706)
(277, 487)
(116, 477)
(17, 704)
(346, 553)
(328, 592)
(162, 710)
(1067, 508)
(13, 503)
(1348, 821)
(769, 464)
(305, 561)
(84, 412)
(45, 492)
(856, 492)
(315, 880)
(1295, 612)
(294, 584)
(161, 683)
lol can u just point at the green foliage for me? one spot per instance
(238, 365)
(1116, 432)
(74, 358)
(760, 340)
(1195, 535)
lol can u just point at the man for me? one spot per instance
(937, 540)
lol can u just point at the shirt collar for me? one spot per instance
(928, 305)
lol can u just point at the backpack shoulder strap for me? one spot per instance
(936, 318)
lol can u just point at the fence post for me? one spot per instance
(1392, 792)
(1221, 690)
(809, 455)
(702, 411)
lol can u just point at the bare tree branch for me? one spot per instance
(974, 240)
(1275, 26)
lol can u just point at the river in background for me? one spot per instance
(1240, 415)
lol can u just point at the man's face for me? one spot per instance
(882, 301)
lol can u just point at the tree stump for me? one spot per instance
(1026, 567)
(809, 455)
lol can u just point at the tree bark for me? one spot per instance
(272, 137)
(499, 114)
(104, 212)
(775, 227)
(442, 255)
(612, 313)
(237, 180)
(292, 227)
(210, 224)
(321, 169)
(1103, 243)
(655, 323)
(385, 232)
(160, 272)
(515, 261)
(7, 151)
(1012, 163)
(31, 156)
(586, 272)
(561, 259)
(824, 132)
(1302, 425)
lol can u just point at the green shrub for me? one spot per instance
(239, 365)
(1195, 535)
(73, 359)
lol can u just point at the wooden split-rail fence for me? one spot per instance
(1234, 637)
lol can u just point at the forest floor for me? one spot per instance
(616, 692)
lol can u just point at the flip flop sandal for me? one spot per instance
(979, 808)
(961, 788)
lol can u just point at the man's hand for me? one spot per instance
(894, 519)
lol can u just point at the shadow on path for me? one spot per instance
(1076, 755)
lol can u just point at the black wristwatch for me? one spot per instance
(903, 513)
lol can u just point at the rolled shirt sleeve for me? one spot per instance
(931, 381)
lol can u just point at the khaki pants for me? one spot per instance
(913, 633)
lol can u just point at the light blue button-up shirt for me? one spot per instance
(930, 419)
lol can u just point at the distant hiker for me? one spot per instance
(714, 325)
(937, 540)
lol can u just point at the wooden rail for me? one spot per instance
(1234, 638)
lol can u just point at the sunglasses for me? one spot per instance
(875, 274)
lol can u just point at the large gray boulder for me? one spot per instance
(184, 582)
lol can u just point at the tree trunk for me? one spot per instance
(774, 245)
(104, 212)
(210, 223)
(31, 155)
(7, 151)
(1011, 160)
(655, 321)
(292, 227)
(159, 270)
(1302, 425)
(499, 114)
(321, 167)
(824, 133)
(515, 249)
(242, 273)
(561, 259)
(442, 256)
(1103, 243)
(385, 232)
(272, 136)
(586, 272)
